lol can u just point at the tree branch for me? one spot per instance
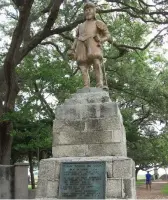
(57, 48)
(43, 34)
(12, 54)
(141, 13)
(75, 72)
(37, 39)
(47, 9)
(140, 48)
(44, 102)
(141, 119)
(53, 15)
(68, 27)
(67, 37)
(4, 5)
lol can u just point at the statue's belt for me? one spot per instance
(85, 37)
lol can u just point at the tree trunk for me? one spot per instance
(7, 101)
(5, 142)
(6, 127)
(15, 55)
(166, 173)
(31, 169)
(136, 172)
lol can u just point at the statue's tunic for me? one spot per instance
(88, 47)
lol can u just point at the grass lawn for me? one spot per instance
(164, 190)
(140, 182)
(30, 187)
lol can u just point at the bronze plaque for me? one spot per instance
(82, 180)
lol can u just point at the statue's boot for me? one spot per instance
(85, 75)
(99, 75)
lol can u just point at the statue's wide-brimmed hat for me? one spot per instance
(89, 5)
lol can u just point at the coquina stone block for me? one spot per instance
(117, 188)
(7, 182)
(41, 191)
(128, 189)
(68, 126)
(52, 189)
(88, 127)
(109, 169)
(69, 150)
(114, 188)
(84, 137)
(48, 170)
(105, 150)
(122, 168)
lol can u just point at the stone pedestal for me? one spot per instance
(7, 182)
(89, 127)
(14, 181)
(21, 180)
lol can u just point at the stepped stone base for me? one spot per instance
(120, 176)
(88, 124)
(88, 127)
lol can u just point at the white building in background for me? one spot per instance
(161, 171)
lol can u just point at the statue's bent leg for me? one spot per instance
(85, 74)
(98, 72)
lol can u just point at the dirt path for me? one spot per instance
(155, 193)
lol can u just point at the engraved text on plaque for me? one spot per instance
(82, 180)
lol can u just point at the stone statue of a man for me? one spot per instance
(87, 47)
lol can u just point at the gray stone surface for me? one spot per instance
(57, 171)
(52, 189)
(14, 181)
(102, 124)
(6, 182)
(32, 194)
(21, 181)
(91, 89)
(95, 124)
(68, 126)
(89, 124)
(109, 169)
(105, 150)
(87, 137)
(89, 127)
(129, 186)
(115, 187)
(122, 168)
(69, 150)
(50, 170)
(87, 110)
(41, 191)
(76, 159)
(117, 136)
